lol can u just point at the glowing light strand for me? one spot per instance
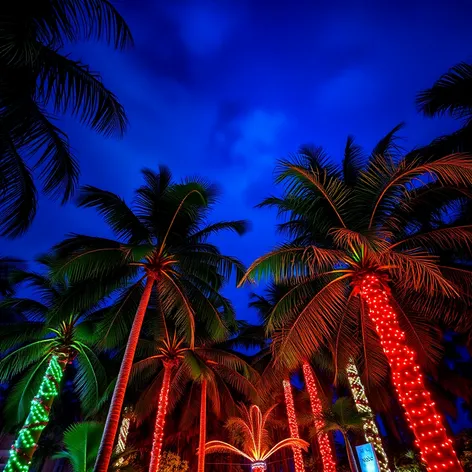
(160, 420)
(26, 443)
(123, 435)
(327, 456)
(431, 437)
(258, 467)
(362, 404)
(293, 425)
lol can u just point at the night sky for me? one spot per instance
(223, 89)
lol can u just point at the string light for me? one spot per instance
(160, 419)
(38, 417)
(258, 466)
(431, 438)
(293, 426)
(327, 456)
(362, 404)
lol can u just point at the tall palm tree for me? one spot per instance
(40, 80)
(449, 95)
(366, 244)
(163, 248)
(36, 353)
(250, 433)
(344, 417)
(170, 365)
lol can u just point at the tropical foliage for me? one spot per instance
(40, 80)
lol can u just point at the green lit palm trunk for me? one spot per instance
(26, 442)
(160, 419)
(113, 419)
(326, 450)
(371, 431)
(293, 425)
(202, 439)
(424, 419)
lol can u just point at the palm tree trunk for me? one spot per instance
(113, 418)
(160, 419)
(38, 417)
(202, 439)
(327, 455)
(123, 434)
(293, 425)
(432, 441)
(371, 431)
(258, 467)
(350, 454)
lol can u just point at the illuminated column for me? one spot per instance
(327, 456)
(38, 417)
(370, 428)
(160, 419)
(293, 425)
(431, 438)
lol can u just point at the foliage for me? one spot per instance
(38, 78)
(381, 213)
(171, 462)
(409, 462)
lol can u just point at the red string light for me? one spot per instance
(160, 420)
(293, 426)
(431, 438)
(327, 456)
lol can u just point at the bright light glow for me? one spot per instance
(160, 420)
(431, 438)
(258, 467)
(362, 404)
(27, 441)
(327, 456)
(293, 426)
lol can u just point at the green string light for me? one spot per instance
(23, 448)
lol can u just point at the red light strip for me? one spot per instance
(431, 438)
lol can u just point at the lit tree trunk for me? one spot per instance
(362, 404)
(26, 442)
(350, 454)
(202, 439)
(160, 419)
(124, 430)
(431, 438)
(258, 467)
(327, 456)
(293, 425)
(113, 419)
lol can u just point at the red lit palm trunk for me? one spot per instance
(113, 419)
(431, 438)
(326, 451)
(258, 467)
(160, 419)
(293, 425)
(202, 439)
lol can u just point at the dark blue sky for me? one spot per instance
(223, 88)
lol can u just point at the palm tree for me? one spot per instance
(81, 443)
(163, 248)
(7, 266)
(38, 76)
(344, 417)
(449, 95)
(39, 350)
(250, 433)
(367, 238)
(215, 369)
(265, 305)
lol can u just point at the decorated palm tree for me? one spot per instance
(170, 365)
(36, 353)
(162, 250)
(251, 438)
(40, 78)
(344, 417)
(366, 245)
